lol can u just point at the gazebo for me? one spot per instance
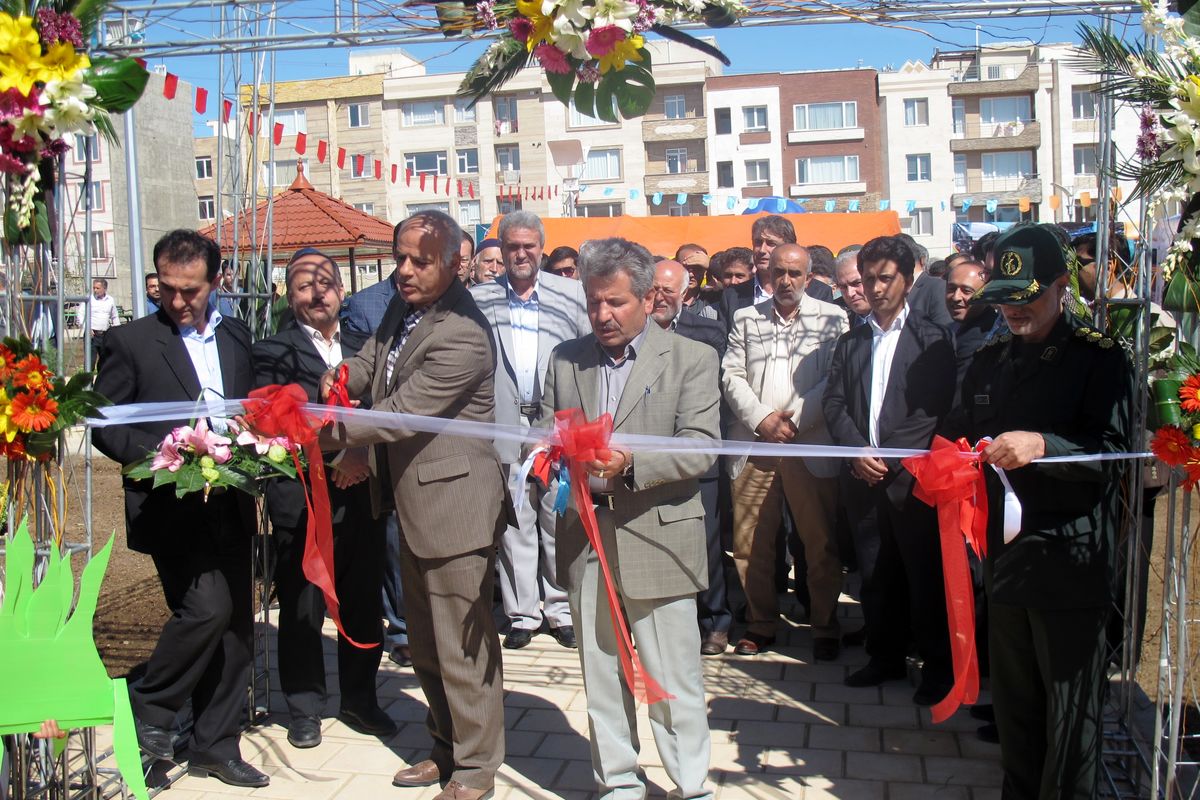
(300, 217)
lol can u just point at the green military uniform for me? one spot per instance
(1050, 588)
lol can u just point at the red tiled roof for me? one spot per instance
(305, 217)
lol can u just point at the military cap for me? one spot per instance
(1027, 260)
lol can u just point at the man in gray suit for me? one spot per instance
(649, 514)
(530, 313)
(431, 355)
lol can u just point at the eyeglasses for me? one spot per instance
(566, 272)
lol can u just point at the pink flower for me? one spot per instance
(168, 456)
(520, 28)
(202, 442)
(13, 104)
(57, 27)
(13, 166)
(589, 73)
(553, 59)
(601, 41)
(251, 439)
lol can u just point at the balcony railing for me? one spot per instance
(505, 127)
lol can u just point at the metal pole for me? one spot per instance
(136, 269)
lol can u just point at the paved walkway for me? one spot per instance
(782, 727)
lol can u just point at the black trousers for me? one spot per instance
(1048, 690)
(203, 653)
(712, 604)
(358, 557)
(903, 594)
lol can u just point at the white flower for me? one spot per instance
(71, 114)
(572, 11)
(32, 123)
(569, 39)
(614, 12)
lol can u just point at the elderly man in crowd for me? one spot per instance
(425, 359)
(767, 233)
(530, 313)
(971, 322)
(712, 604)
(849, 282)
(489, 262)
(694, 259)
(302, 354)
(650, 518)
(774, 375)
(99, 314)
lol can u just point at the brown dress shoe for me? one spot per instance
(714, 643)
(753, 643)
(423, 774)
(456, 791)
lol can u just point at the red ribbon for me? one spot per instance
(950, 477)
(581, 441)
(278, 411)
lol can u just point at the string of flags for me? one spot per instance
(444, 185)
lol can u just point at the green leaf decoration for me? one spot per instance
(635, 92)
(41, 222)
(119, 83)
(12, 233)
(585, 98)
(675, 35)
(606, 108)
(499, 64)
(188, 479)
(561, 85)
(1190, 11)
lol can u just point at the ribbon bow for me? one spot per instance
(950, 477)
(278, 411)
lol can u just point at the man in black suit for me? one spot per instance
(890, 385)
(767, 233)
(928, 294)
(848, 280)
(971, 322)
(301, 354)
(187, 351)
(712, 604)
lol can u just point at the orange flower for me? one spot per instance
(32, 374)
(1172, 446)
(1189, 394)
(1192, 476)
(33, 412)
(14, 450)
(7, 362)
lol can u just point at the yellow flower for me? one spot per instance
(542, 24)
(61, 62)
(20, 54)
(8, 429)
(626, 50)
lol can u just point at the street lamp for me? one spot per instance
(1070, 198)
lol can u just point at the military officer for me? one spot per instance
(1053, 386)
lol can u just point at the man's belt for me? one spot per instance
(530, 411)
(603, 499)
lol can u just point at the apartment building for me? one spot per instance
(813, 137)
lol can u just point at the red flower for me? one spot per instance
(15, 449)
(7, 363)
(1189, 394)
(1172, 446)
(32, 374)
(1192, 476)
(553, 59)
(33, 412)
(520, 28)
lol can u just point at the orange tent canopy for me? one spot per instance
(662, 235)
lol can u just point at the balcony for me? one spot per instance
(694, 182)
(674, 130)
(826, 135)
(824, 189)
(1003, 190)
(972, 82)
(505, 127)
(1016, 135)
(508, 176)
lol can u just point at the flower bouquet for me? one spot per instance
(50, 88)
(195, 458)
(593, 51)
(36, 405)
(1176, 440)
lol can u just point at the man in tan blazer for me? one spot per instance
(650, 518)
(432, 355)
(773, 375)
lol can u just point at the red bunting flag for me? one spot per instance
(358, 163)
(170, 85)
(556, 191)
(459, 182)
(250, 120)
(201, 99)
(378, 169)
(447, 186)
(322, 150)
(422, 181)
(301, 143)
(277, 136)
(395, 171)
(471, 190)
(408, 177)
(435, 180)
(226, 110)
(141, 62)
(341, 158)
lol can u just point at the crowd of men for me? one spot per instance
(773, 343)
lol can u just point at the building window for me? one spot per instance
(203, 167)
(675, 106)
(1002, 214)
(827, 169)
(426, 163)
(677, 160)
(1085, 159)
(723, 120)
(366, 208)
(293, 120)
(362, 166)
(578, 119)
(825, 116)
(505, 111)
(919, 168)
(1010, 167)
(958, 113)
(922, 222)
(99, 245)
(916, 111)
(758, 172)
(1002, 110)
(416, 208)
(1083, 104)
(422, 112)
(207, 207)
(754, 118)
(506, 205)
(469, 213)
(960, 172)
(508, 158)
(601, 210)
(464, 111)
(285, 171)
(96, 195)
(724, 174)
(360, 114)
(676, 210)
(467, 161)
(603, 165)
(86, 147)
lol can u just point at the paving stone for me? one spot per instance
(843, 789)
(814, 712)
(883, 766)
(521, 771)
(836, 737)
(359, 758)
(921, 742)
(804, 761)
(552, 721)
(881, 716)
(757, 669)
(985, 793)
(577, 775)
(754, 732)
(970, 746)
(735, 758)
(960, 771)
(563, 746)
(740, 708)
(759, 787)
(840, 693)
(924, 791)
(815, 673)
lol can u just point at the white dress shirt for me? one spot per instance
(202, 350)
(331, 351)
(883, 351)
(779, 386)
(523, 317)
(760, 292)
(102, 313)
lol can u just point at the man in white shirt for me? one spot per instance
(773, 376)
(99, 313)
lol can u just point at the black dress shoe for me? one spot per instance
(235, 772)
(372, 722)
(518, 638)
(401, 656)
(875, 673)
(988, 733)
(304, 732)
(565, 635)
(826, 649)
(930, 693)
(154, 741)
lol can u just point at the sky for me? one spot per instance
(755, 49)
